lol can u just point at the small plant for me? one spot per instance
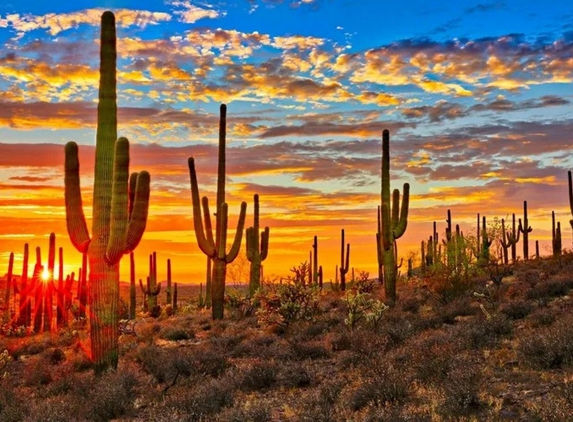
(5, 359)
(361, 306)
(282, 304)
(127, 327)
(11, 329)
(239, 306)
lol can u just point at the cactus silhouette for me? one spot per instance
(132, 288)
(8, 284)
(394, 220)
(344, 261)
(151, 292)
(256, 252)
(215, 246)
(525, 229)
(119, 211)
(555, 235)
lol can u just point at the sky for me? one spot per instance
(477, 97)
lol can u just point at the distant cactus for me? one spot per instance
(119, 212)
(394, 220)
(38, 284)
(168, 300)
(570, 196)
(256, 252)
(215, 247)
(344, 262)
(504, 243)
(555, 236)
(525, 229)
(208, 283)
(512, 238)
(49, 284)
(486, 242)
(314, 259)
(153, 288)
(9, 283)
(24, 318)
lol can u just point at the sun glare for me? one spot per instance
(45, 276)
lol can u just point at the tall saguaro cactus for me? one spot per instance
(215, 246)
(525, 229)
(119, 208)
(8, 284)
(394, 220)
(256, 253)
(344, 262)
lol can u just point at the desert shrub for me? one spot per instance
(197, 402)
(320, 404)
(543, 317)
(556, 406)
(294, 375)
(252, 412)
(207, 362)
(163, 365)
(239, 306)
(517, 309)
(12, 329)
(460, 306)
(176, 333)
(385, 385)
(410, 304)
(483, 332)
(550, 288)
(111, 395)
(282, 304)
(258, 376)
(461, 391)
(549, 348)
(310, 350)
(13, 407)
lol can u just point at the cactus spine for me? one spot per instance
(555, 235)
(525, 229)
(215, 247)
(343, 261)
(119, 213)
(256, 253)
(394, 220)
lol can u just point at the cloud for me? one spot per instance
(55, 23)
(192, 13)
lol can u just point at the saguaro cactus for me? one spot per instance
(344, 262)
(394, 220)
(513, 238)
(256, 253)
(38, 284)
(119, 209)
(25, 305)
(153, 288)
(168, 290)
(215, 247)
(525, 229)
(314, 260)
(8, 284)
(570, 196)
(555, 235)
(132, 288)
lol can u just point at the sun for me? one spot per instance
(45, 276)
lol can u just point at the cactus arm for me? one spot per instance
(207, 219)
(132, 187)
(205, 245)
(230, 257)
(143, 289)
(119, 203)
(400, 229)
(139, 212)
(75, 218)
(265, 243)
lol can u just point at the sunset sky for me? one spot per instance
(477, 97)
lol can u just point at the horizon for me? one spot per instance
(477, 97)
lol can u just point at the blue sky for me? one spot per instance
(477, 96)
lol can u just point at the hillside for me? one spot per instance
(503, 354)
